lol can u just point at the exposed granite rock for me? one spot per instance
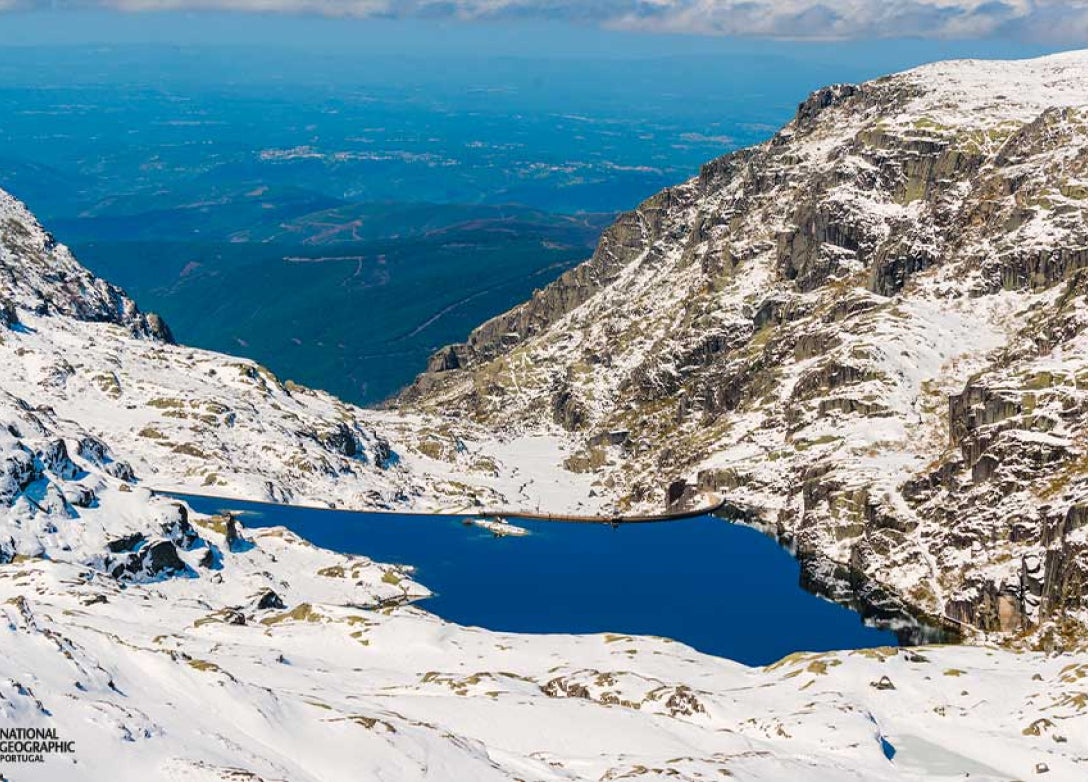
(341, 440)
(235, 541)
(54, 457)
(177, 528)
(9, 316)
(269, 601)
(151, 561)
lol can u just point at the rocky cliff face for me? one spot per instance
(868, 330)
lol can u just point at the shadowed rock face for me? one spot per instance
(9, 316)
(869, 329)
(155, 560)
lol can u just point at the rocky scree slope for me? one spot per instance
(868, 332)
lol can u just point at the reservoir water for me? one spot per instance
(722, 588)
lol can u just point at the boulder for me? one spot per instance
(155, 560)
(270, 600)
(177, 528)
(9, 316)
(126, 543)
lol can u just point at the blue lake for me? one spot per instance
(722, 588)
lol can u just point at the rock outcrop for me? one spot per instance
(39, 274)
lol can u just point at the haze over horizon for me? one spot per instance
(1047, 21)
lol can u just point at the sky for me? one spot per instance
(1041, 22)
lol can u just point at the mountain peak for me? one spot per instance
(40, 275)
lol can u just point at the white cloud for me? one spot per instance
(829, 19)
(1049, 20)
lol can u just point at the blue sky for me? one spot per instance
(1045, 22)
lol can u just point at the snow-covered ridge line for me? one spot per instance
(38, 274)
(190, 419)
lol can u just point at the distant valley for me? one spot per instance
(354, 299)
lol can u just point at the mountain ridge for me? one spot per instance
(34, 268)
(847, 329)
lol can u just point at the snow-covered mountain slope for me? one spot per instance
(868, 332)
(194, 420)
(172, 646)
